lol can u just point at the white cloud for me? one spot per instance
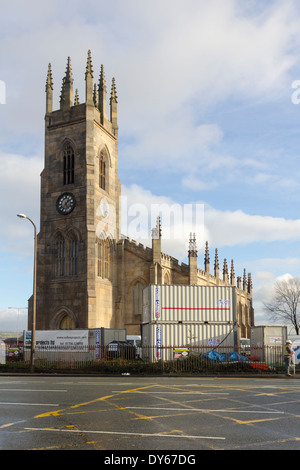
(237, 227)
(19, 182)
(223, 228)
(262, 178)
(194, 183)
(140, 210)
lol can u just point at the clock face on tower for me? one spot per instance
(65, 203)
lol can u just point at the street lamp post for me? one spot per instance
(32, 350)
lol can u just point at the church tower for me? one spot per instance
(79, 218)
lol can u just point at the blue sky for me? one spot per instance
(206, 115)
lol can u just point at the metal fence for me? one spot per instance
(146, 359)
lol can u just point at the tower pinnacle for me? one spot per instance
(49, 91)
(113, 106)
(66, 97)
(89, 88)
(89, 66)
(216, 265)
(206, 258)
(192, 245)
(102, 96)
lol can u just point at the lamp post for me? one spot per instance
(32, 350)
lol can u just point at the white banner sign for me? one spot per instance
(54, 338)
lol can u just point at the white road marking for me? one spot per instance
(11, 424)
(201, 410)
(28, 390)
(28, 404)
(181, 436)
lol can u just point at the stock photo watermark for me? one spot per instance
(296, 94)
(141, 221)
(2, 92)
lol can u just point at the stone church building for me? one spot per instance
(88, 275)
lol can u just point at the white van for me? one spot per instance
(136, 341)
(245, 347)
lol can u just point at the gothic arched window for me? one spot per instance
(60, 256)
(66, 255)
(103, 170)
(99, 257)
(104, 250)
(69, 164)
(107, 248)
(73, 255)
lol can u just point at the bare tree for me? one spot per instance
(285, 304)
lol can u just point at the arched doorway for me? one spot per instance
(67, 323)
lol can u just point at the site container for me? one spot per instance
(268, 335)
(267, 340)
(187, 317)
(189, 303)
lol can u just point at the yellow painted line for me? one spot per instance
(254, 420)
(73, 407)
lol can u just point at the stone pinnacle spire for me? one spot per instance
(102, 95)
(69, 75)
(49, 91)
(250, 286)
(206, 258)
(66, 97)
(113, 95)
(245, 281)
(49, 81)
(192, 245)
(225, 271)
(232, 274)
(89, 67)
(89, 87)
(216, 265)
(113, 107)
(102, 82)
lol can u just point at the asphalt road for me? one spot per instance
(160, 415)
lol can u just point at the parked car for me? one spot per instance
(120, 350)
